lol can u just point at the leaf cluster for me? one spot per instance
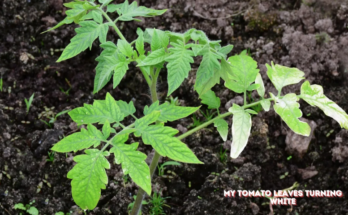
(88, 175)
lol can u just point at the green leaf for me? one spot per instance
(253, 87)
(113, 7)
(33, 211)
(266, 104)
(159, 40)
(244, 70)
(282, 76)
(119, 72)
(64, 21)
(139, 43)
(169, 112)
(125, 48)
(19, 206)
(99, 112)
(241, 127)
(88, 178)
(106, 130)
(96, 15)
(142, 123)
(76, 13)
(261, 89)
(154, 58)
(133, 163)
(179, 65)
(314, 95)
(225, 73)
(162, 140)
(226, 70)
(129, 11)
(208, 66)
(115, 63)
(288, 109)
(222, 127)
(86, 34)
(80, 140)
(126, 108)
(226, 49)
(251, 111)
(210, 99)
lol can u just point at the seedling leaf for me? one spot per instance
(161, 139)
(282, 76)
(266, 105)
(210, 99)
(126, 108)
(241, 127)
(133, 163)
(86, 34)
(244, 70)
(261, 89)
(128, 12)
(208, 66)
(99, 112)
(116, 63)
(222, 127)
(169, 112)
(88, 178)
(314, 95)
(80, 140)
(288, 109)
(154, 58)
(179, 65)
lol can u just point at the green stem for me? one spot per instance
(119, 33)
(245, 100)
(218, 117)
(141, 193)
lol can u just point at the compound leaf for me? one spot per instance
(210, 99)
(169, 112)
(84, 38)
(314, 95)
(222, 127)
(161, 139)
(99, 112)
(288, 109)
(179, 65)
(241, 127)
(80, 140)
(282, 76)
(88, 178)
(133, 163)
(208, 66)
(128, 12)
(244, 70)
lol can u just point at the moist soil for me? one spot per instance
(310, 35)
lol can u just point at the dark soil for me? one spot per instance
(310, 35)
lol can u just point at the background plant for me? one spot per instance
(176, 52)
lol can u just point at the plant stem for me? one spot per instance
(218, 117)
(119, 33)
(141, 193)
